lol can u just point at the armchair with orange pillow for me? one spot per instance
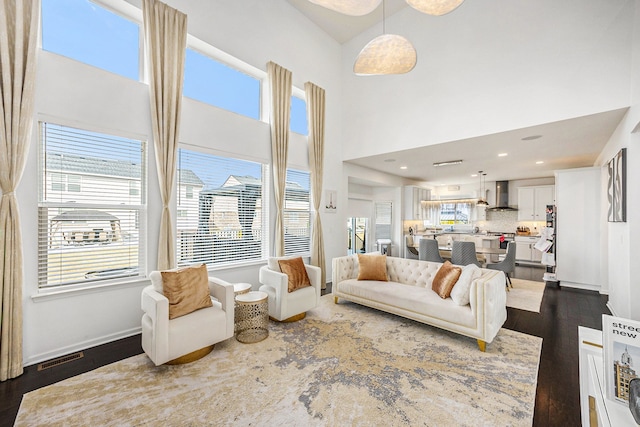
(293, 287)
(185, 313)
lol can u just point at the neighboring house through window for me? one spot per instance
(95, 230)
(226, 221)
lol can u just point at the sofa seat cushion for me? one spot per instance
(420, 300)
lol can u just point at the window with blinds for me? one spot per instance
(92, 206)
(297, 214)
(221, 219)
(383, 212)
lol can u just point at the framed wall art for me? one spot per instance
(331, 197)
(617, 187)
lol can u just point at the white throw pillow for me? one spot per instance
(460, 292)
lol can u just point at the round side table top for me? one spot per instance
(241, 288)
(252, 297)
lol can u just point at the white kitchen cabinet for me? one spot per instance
(413, 209)
(533, 201)
(525, 250)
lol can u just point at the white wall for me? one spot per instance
(488, 68)
(621, 280)
(79, 95)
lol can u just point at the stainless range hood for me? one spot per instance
(502, 197)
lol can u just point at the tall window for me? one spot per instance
(92, 206)
(215, 83)
(223, 218)
(298, 122)
(297, 213)
(85, 31)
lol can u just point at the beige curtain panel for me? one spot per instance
(165, 31)
(18, 39)
(315, 113)
(280, 84)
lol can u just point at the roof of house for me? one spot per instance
(117, 168)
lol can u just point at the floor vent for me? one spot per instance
(60, 360)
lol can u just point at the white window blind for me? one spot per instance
(383, 220)
(91, 226)
(223, 219)
(297, 213)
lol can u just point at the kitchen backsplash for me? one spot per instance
(505, 221)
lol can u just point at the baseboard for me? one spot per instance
(37, 358)
(584, 286)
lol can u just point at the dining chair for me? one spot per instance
(412, 252)
(464, 253)
(508, 264)
(429, 251)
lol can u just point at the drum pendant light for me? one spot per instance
(435, 7)
(386, 54)
(349, 7)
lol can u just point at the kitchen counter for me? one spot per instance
(445, 233)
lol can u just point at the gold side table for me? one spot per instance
(252, 317)
(238, 289)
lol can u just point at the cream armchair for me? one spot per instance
(189, 337)
(285, 306)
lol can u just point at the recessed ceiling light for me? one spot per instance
(389, 160)
(503, 155)
(539, 162)
(403, 167)
(474, 175)
(531, 137)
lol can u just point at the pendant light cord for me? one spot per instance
(384, 30)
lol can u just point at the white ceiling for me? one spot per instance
(342, 27)
(563, 145)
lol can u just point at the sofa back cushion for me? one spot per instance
(412, 271)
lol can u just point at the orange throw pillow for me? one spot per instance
(372, 267)
(296, 273)
(445, 279)
(186, 289)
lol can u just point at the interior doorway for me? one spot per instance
(357, 229)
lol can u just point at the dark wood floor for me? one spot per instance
(558, 392)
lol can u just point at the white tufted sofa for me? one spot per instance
(408, 294)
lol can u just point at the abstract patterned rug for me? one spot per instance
(343, 365)
(526, 295)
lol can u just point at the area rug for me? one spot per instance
(525, 295)
(344, 364)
